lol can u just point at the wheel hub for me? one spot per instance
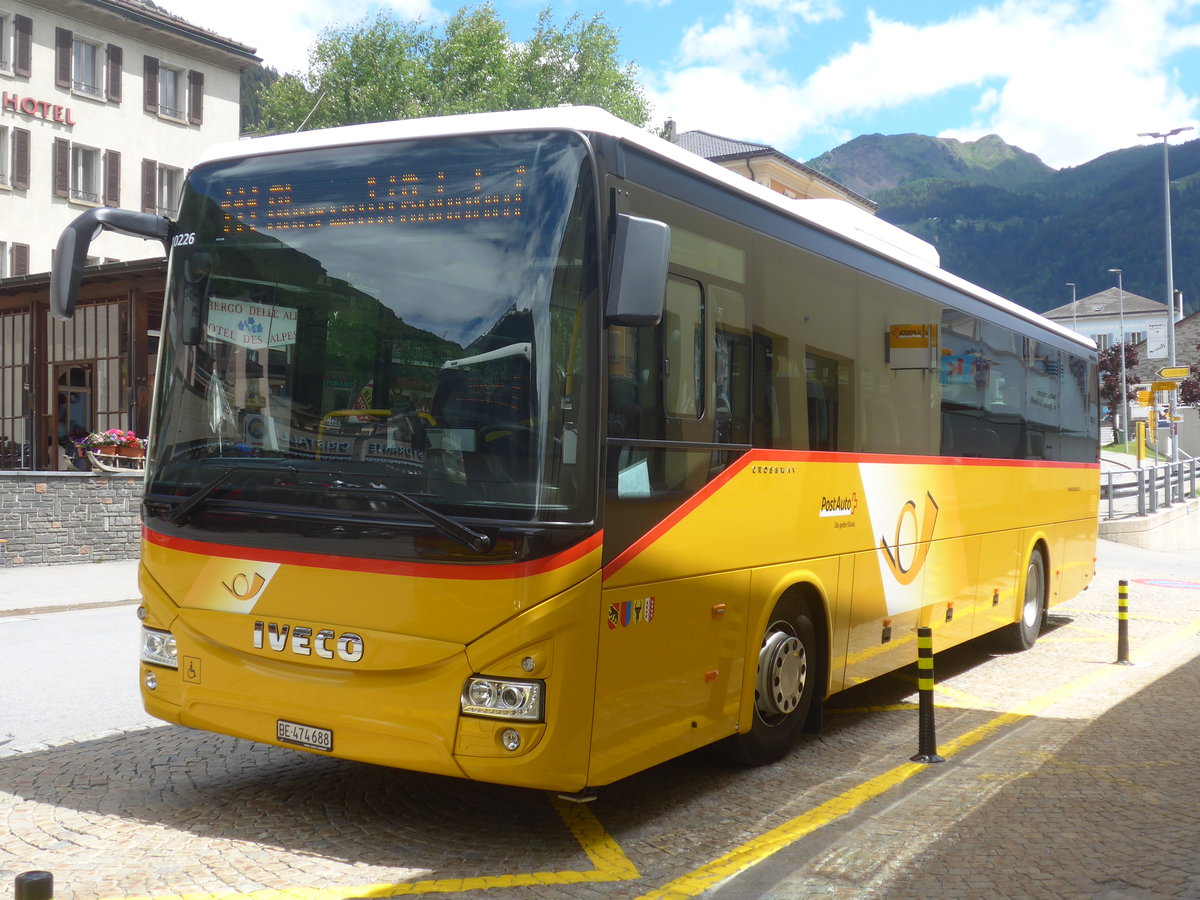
(782, 672)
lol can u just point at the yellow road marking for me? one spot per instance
(610, 861)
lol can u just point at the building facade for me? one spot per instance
(102, 103)
(1103, 316)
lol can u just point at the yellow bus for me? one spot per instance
(530, 448)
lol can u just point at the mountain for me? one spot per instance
(1003, 219)
(877, 162)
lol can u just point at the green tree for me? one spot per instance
(1189, 389)
(254, 79)
(1110, 377)
(383, 68)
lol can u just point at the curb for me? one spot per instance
(66, 607)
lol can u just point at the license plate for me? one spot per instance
(304, 735)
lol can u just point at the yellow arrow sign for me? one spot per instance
(1164, 385)
(1173, 372)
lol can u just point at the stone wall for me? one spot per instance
(51, 518)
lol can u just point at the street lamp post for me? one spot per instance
(1124, 387)
(1074, 308)
(1165, 136)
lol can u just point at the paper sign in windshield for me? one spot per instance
(255, 326)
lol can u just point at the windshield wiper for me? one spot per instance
(469, 537)
(452, 528)
(181, 513)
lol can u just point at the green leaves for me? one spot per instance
(383, 69)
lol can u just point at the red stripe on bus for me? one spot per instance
(471, 571)
(752, 457)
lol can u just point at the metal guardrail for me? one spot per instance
(1155, 487)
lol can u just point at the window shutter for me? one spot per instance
(115, 59)
(20, 259)
(112, 178)
(63, 42)
(23, 64)
(195, 97)
(62, 168)
(150, 85)
(20, 177)
(149, 186)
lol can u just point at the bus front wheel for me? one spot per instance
(784, 685)
(1021, 634)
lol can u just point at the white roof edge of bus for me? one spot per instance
(835, 216)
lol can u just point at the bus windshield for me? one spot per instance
(352, 324)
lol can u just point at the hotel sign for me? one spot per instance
(42, 109)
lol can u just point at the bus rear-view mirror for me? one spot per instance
(638, 280)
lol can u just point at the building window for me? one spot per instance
(14, 157)
(6, 43)
(1135, 337)
(161, 185)
(169, 183)
(16, 43)
(6, 155)
(172, 92)
(87, 67)
(85, 174)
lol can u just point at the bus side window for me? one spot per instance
(731, 365)
(683, 349)
(822, 378)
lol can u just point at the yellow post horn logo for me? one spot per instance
(906, 574)
(244, 587)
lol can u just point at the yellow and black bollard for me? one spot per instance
(927, 738)
(1123, 623)
(35, 886)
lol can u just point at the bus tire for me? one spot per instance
(785, 682)
(1022, 634)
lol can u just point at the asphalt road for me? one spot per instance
(69, 675)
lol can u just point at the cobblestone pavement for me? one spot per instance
(1065, 776)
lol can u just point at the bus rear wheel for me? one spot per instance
(1022, 634)
(784, 686)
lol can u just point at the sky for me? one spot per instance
(1067, 80)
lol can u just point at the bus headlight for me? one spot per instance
(158, 647)
(504, 698)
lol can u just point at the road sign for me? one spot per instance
(1174, 372)
(1164, 385)
(1146, 398)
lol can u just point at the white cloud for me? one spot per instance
(1066, 80)
(283, 38)
(739, 43)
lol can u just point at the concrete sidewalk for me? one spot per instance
(27, 589)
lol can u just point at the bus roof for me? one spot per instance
(836, 217)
